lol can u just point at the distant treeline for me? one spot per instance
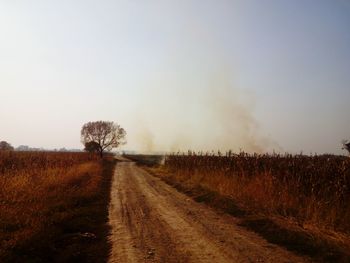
(25, 148)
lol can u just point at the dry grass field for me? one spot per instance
(48, 201)
(301, 202)
(312, 190)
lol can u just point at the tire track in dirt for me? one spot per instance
(153, 222)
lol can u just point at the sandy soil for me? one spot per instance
(153, 222)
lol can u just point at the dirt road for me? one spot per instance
(153, 222)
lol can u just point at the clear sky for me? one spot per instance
(177, 75)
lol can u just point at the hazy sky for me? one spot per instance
(255, 75)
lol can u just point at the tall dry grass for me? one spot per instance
(308, 189)
(39, 190)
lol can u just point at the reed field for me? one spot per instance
(43, 197)
(311, 190)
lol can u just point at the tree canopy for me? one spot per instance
(92, 147)
(102, 135)
(346, 145)
(5, 146)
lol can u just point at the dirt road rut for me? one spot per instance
(152, 222)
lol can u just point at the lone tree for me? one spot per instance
(5, 146)
(99, 136)
(346, 145)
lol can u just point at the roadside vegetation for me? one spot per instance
(54, 206)
(146, 159)
(300, 202)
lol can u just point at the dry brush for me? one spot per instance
(309, 189)
(40, 191)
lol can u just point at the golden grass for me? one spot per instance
(39, 190)
(310, 190)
